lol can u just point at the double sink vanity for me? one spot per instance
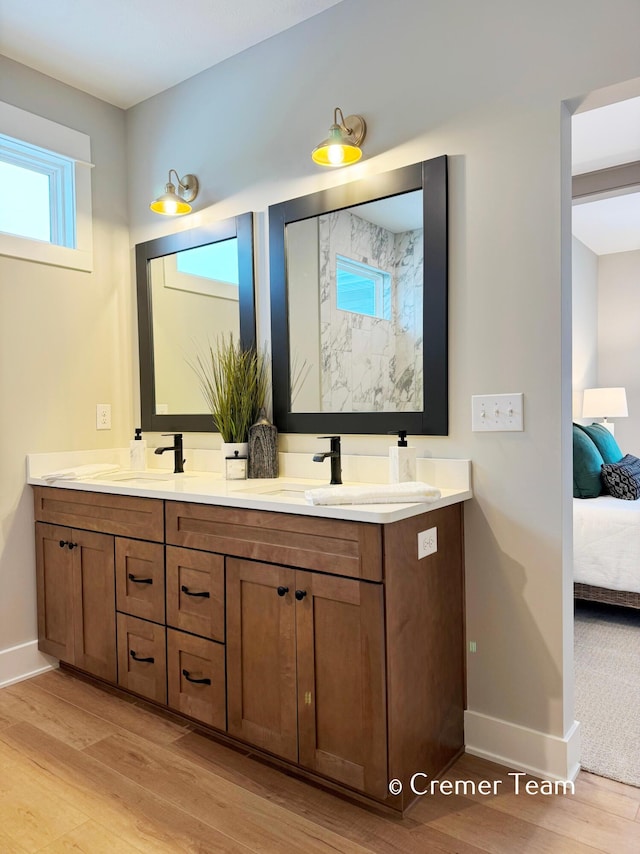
(326, 638)
(311, 635)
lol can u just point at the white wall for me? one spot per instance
(65, 340)
(619, 338)
(584, 322)
(483, 83)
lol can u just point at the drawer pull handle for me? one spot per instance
(204, 595)
(282, 591)
(136, 657)
(132, 577)
(300, 594)
(190, 678)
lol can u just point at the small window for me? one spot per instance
(45, 206)
(40, 187)
(362, 289)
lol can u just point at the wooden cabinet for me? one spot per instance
(325, 643)
(76, 598)
(305, 663)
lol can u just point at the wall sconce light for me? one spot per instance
(176, 203)
(342, 146)
(605, 403)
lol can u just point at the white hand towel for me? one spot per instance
(386, 493)
(79, 472)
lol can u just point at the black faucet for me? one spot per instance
(334, 454)
(178, 462)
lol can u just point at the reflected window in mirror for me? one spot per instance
(359, 305)
(193, 288)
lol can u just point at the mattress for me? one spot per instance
(606, 543)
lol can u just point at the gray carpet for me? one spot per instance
(607, 689)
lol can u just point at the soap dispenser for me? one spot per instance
(138, 452)
(402, 460)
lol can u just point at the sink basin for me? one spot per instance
(286, 490)
(123, 476)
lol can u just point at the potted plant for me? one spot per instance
(234, 381)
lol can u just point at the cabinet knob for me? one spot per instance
(63, 543)
(282, 591)
(72, 546)
(300, 594)
(204, 595)
(190, 678)
(136, 580)
(136, 657)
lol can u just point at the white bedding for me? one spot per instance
(606, 543)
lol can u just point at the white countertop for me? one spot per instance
(281, 495)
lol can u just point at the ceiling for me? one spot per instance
(124, 51)
(600, 138)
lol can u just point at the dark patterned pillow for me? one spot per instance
(623, 478)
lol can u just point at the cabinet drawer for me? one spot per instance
(142, 657)
(195, 592)
(140, 579)
(328, 545)
(125, 515)
(196, 678)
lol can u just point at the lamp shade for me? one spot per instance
(170, 203)
(604, 403)
(337, 150)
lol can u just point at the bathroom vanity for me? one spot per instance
(320, 642)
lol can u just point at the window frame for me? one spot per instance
(46, 136)
(381, 285)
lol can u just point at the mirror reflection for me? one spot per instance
(193, 287)
(359, 305)
(194, 294)
(355, 286)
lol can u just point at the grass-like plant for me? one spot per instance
(234, 382)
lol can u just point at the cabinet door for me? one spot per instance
(55, 602)
(341, 680)
(195, 678)
(94, 604)
(261, 656)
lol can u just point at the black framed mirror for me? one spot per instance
(359, 305)
(191, 287)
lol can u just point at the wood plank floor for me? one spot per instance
(84, 770)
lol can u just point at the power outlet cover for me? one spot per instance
(427, 542)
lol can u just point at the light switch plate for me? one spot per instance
(497, 412)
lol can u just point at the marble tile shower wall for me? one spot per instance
(371, 364)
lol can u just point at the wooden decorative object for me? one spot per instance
(263, 448)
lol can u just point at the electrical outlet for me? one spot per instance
(427, 542)
(103, 416)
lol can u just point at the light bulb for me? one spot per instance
(335, 154)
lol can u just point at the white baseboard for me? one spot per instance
(538, 753)
(22, 662)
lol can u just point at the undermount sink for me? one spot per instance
(124, 476)
(287, 490)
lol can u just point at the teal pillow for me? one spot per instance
(604, 442)
(587, 465)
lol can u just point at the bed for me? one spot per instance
(606, 550)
